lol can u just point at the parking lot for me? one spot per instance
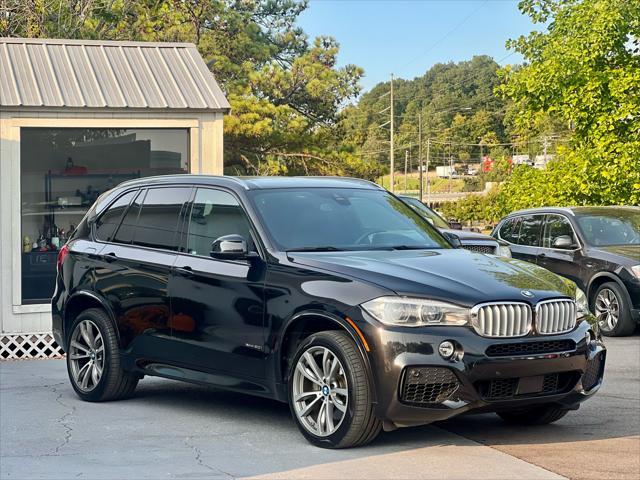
(175, 430)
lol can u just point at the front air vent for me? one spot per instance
(502, 319)
(424, 386)
(480, 248)
(555, 316)
(530, 348)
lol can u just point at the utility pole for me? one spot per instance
(450, 167)
(406, 160)
(392, 158)
(420, 154)
(428, 180)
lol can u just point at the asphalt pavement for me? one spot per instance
(175, 430)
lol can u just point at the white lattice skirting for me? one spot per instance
(28, 345)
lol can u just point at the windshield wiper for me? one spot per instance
(327, 248)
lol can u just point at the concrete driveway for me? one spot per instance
(175, 430)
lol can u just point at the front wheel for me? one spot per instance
(330, 392)
(612, 311)
(542, 415)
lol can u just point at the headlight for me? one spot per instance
(636, 270)
(415, 312)
(582, 304)
(504, 251)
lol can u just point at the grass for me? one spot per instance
(438, 185)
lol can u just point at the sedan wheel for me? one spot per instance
(607, 309)
(86, 355)
(320, 391)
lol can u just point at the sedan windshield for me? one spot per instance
(328, 219)
(426, 212)
(618, 227)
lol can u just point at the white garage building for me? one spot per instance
(76, 118)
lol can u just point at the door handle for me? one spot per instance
(542, 255)
(185, 271)
(110, 257)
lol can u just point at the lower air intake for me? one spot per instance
(428, 385)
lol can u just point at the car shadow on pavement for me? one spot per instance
(590, 422)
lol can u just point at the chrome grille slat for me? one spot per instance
(514, 319)
(502, 320)
(555, 316)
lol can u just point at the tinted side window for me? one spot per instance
(214, 213)
(158, 222)
(556, 226)
(109, 221)
(128, 225)
(510, 229)
(530, 230)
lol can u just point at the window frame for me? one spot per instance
(260, 248)
(143, 191)
(575, 235)
(514, 218)
(136, 192)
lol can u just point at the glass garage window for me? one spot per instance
(62, 172)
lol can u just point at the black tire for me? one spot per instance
(625, 324)
(534, 416)
(114, 382)
(359, 425)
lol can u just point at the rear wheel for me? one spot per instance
(330, 392)
(542, 415)
(93, 359)
(612, 310)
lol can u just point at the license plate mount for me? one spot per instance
(529, 385)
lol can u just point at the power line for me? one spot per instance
(441, 39)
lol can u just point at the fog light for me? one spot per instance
(447, 349)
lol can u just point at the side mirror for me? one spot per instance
(453, 239)
(229, 247)
(564, 242)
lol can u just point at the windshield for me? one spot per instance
(618, 227)
(326, 219)
(426, 212)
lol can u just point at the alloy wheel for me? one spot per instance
(320, 391)
(86, 355)
(607, 309)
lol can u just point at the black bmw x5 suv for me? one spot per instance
(330, 294)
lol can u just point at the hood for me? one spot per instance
(453, 275)
(468, 235)
(625, 254)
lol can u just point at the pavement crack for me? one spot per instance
(63, 421)
(198, 458)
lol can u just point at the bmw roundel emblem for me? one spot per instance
(526, 293)
(325, 390)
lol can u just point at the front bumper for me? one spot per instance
(395, 352)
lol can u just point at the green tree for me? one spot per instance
(286, 91)
(583, 73)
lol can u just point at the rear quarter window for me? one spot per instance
(108, 222)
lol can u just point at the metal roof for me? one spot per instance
(106, 74)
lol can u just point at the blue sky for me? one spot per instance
(406, 37)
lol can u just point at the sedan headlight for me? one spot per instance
(415, 312)
(636, 270)
(582, 304)
(504, 251)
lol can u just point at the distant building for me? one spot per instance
(542, 160)
(522, 160)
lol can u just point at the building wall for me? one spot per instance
(206, 157)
